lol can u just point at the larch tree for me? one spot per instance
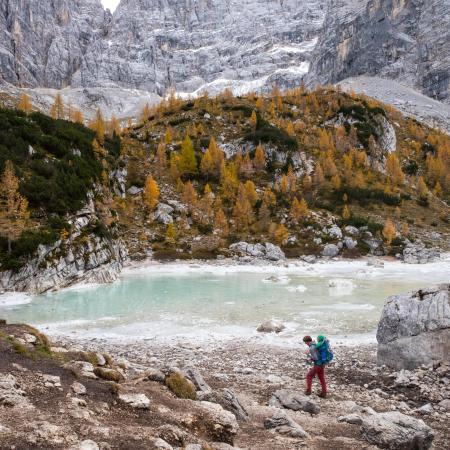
(319, 177)
(259, 160)
(190, 196)
(57, 109)
(229, 182)
(389, 231)
(336, 182)
(346, 214)
(251, 193)
(221, 226)
(422, 188)
(207, 166)
(405, 229)
(205, 206)
(171, 233)
(254, 120)
(77, 116)
(168, 136)
(13, 206)
(145, 114)
(246, 168)
(25, 103)
(242, 211)
(98, 125)
(329, 167)
(281, 234)
(188, 162)
(114, 126)
(299, 210)
(151, 193)
(394, 171)
(161, 158)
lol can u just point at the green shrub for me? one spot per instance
(181, 386)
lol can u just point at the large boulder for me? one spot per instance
(267, 251)
(283, 424)
(330, 250)
(294, 400)
(271, 326)
(414, 328)
(417, 253)
(163, 214)
(392, 430)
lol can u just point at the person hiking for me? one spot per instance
(319, 354)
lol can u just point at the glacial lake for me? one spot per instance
(205, 302)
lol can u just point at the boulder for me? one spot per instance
(85, 445)
(271, 326)
(163, 214)
(334, 232)
(330, 250)
(221, 423)
(229, 401)
(350, 243)
(137, 401)
(414, 329)
(199, 382)
(274, 253)
(283, 424)
(417, 253)
(393, 430)
(155, 375)
(289, 399)
(134, 190)
(352, 231)
(11, 393)
(78, 388)
(268, 251)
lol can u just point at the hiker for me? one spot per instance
(320, 354)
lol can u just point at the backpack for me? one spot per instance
(325, 353)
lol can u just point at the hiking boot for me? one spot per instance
(323, 395)
(307, 392)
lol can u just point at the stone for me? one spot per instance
(134, 190)
(155, 375)
(334, 232)
(394, 430)
(30, 338)
(11, 393)
(83, 368)
(445, 404)
(137, 401)
(267, 251)
(271, 326)
(163, 214)
(330, 251)
(274, 253)
(414, 329)
(51, 380)
(229, 401)
(426, 410)
(282, 423)
(223, 423)
(172, 435)
(193, 447)
(295, 400)
(350, 243)
(78, 388)
(199, 382)
(352, 231)
(417, 253)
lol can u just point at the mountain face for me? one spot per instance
(191, 45)
(405, 40)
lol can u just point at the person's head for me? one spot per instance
(307, 340)
(320, 339)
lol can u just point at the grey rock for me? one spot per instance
(224, 422)
(78, 388)
(445, 404)
(162, 444)
(85, 445)
(274, 253)
(286, 398)
(394, 430)
(134, 190)
(163, 213)
(155, 375)
(417, 253)
(426, 410)
(137, 401)
(11, 393)
(268, 251)
(197, 379)
(284, 424)
(414, 328)
(271, 326)
(352, 231)
(229, 401)
(350, 243)
(330, 250)
(334, 232)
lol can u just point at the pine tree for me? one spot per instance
(114, 128)
(281, 234)
(299, 210)
(151, 193)
(253, 120)
(190, 197)
(259, 161)
(346, 213)
(422, 188)
(394, 171)
(221, 223)
(57, 110)
(13, 206)
(161, 159)
(171, 233)
(188, 162)
(389, 231)
(25, 103)
(251, 193)
(242, 212)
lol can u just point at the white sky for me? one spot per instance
(111, 4)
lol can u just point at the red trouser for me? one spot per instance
(318, 371)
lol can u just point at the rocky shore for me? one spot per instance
(96, 394)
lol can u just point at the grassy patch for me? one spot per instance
(181, 386)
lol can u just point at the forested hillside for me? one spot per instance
(192, 177)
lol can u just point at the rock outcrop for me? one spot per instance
(83, 257)
(405, 41)
(415, 329)
(267, 251)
